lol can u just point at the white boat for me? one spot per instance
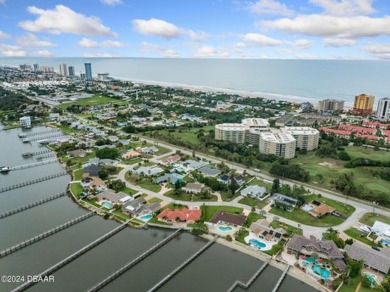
(26, 140)
(4, 169)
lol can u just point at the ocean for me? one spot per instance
(297, 80)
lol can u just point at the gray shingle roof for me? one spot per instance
(379, 260)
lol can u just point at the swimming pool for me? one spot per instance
(181, 169)
(225, 228)
(307, 208)
(324, 273)
(255, 243)
(106, 204)
(385, 241)
(371, 278)
(146, 217)
(311, 260)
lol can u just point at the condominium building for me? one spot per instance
(88, 71)
(306, 138)
(36, 67)
(277, 143)
(330, 105)
(363, 104)
(46, 69)
(383, 111)
(71, 70)
(248, 131)
(103, 76)
(230, 132)
(63, 70)
(25, 122)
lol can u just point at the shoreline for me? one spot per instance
(243, 93)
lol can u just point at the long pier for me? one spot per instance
(42, 132)
(43, 235)
(59, 134)
(24, 166)
(128, 266)
(72, 257)
(182, 266)
(279, 282)
(31, 205)
(29, 154)
(251, 280)
(34, 181)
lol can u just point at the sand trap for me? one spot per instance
(328, 164)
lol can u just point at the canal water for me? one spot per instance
(214, 270)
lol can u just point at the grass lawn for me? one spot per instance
(183, 196)
(370, 218)
(260, 182)
(132, 161)
(78, 174)
(330, 169)
(209, 211)
(351, 287)
(344, 209)
(162, 150)
(129, 191)
(93, 203)
(300, 216)
(144, 182)
(173, 206)
(225, 195)
(289, 229)
(275, 248)
(154, 200)
(241, 234)
(253, 202)
(155, 221)
(252, 217)
(358, 235)
(76, 189)
(92, 101)
(188, 135)
(120, 214)
(80, 160)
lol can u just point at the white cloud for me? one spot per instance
(31, 40)
(261, 40)
(4, 35)
(337, 43)
(157, 27)
(302, 44)
(89, 43)
(102, 55)
(111, 2)
(332, 26)
(198, 36)
(270, 7)
(380, 51)
(210, 52)
(12, 50)
(64, 20)
(43, 53)
(345, 7)
(165, 52)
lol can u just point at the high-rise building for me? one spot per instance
(71, 70)
(383, 110)
(82, 76)
(25, 122)
(330, 105)
(363, 104)
(307, 138)
(45, 69)
(36, 67)
(88, 71)
(277, 143)
(102, 76)
(63, 70)
(25, 67)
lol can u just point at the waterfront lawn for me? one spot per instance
(121, 215)
(76, 189)
(183, 196)
(143, 182)
(154, 220)
(209, 211)
(93, 203)
(358, 235)
(78, 174)
(370, 218)
(92, 101)
(252, 217)
(352, 285)
(241, 234)
(289, 229)
(275, 248)
(253, 202)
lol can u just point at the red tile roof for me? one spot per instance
(183, 214)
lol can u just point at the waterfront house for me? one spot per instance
(114, 198)
(254, 191)
(223, 217)
(262, 230)
(92, 167)
(376, 260)
(182, 215)
(77, 153)
(134, 207)
(327, 249)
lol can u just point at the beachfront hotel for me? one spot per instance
(363, 104)
(383, 110)
(330, 105)
(279, 143)
(306, 138)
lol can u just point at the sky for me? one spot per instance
(258, 29)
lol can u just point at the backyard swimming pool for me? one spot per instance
(371, 278)
(106, 204)
(255, 243)
(307, 208)
(225, 228)
(324, 273)
(146, 217)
